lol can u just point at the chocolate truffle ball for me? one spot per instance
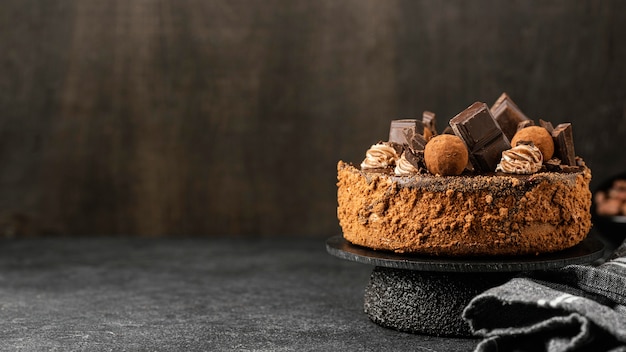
(445, 155)
(540, 137)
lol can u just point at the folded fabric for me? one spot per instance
(576, 308)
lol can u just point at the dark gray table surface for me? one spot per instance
(218, 294)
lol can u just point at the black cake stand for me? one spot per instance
(427, 295)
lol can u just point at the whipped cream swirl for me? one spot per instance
(404, 167)
(379, 156)
(522, 159)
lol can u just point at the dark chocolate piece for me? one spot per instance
(428, 118)
(547, 125)
(482, 136)
(508, 115)
(408, 132)
(418, 142)
(447, 130)
(415, 158)
(399, 148)
(564, 143)
(553, 165)
(525, 124)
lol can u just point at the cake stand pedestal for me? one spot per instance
(427, 295)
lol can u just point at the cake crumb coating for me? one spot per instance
(495, 214)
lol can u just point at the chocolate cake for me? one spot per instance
(470, 192)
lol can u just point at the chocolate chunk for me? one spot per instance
(508, 115)
(415, 158)
(408, 132)
(564, 143)
(482, 136)
(418, 142)
(547, 125)
(524, 124)
(428, 118)
(553, 165)
(399, 148)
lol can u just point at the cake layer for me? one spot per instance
(492, 214)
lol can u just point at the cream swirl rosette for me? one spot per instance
(379, 155)
(521, 159)
(404, 167)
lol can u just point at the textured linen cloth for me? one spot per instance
(575, 308)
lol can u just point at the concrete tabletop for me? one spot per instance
(218, 294)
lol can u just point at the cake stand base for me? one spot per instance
(425, 302)
(427, 295)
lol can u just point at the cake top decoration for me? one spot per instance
(508, 115)
(379, 155)
(487, 140)
(521, 159)
(539, 136)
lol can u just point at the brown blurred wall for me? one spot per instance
(153, 118)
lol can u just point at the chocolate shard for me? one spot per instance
(525, 124)
(399, 148)
(415, 158)
(547, 125)
(428, 118)
(482, 136)
(564, 143)
(508, 115)
(418, 142)
(408, 132)
(553, 164)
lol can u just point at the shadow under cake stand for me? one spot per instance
(427, 295)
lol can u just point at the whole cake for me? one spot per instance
(493, 183)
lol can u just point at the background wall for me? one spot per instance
(141, 117)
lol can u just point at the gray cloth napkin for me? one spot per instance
(576, 308)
